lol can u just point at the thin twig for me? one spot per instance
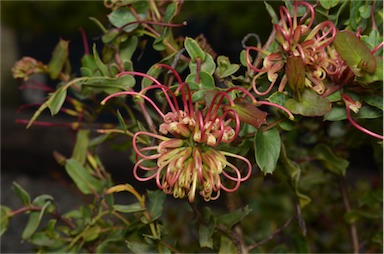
(347, 206)
(273, 235)
(237, 235)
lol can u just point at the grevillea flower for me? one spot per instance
(26, 67)
(184, 157)
(298, 39)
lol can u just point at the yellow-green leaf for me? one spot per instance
(59, 57)
(355, 53)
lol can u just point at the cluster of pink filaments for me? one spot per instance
(298, 39)
(184, 157)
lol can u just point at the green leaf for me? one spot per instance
(232, 218)
(200, 94)
(208, 65)
(158, 43)
(5, 215)
(36, 216)
(84, 181)
(294, 171)
(334, 97)
(108, 85)
(278, 98)
(337, 113)
(194, 50)
(365, 11)
(225, 68)
(206, 81)
(100, 65)
(137, 247)
(311, 104)
(155, 203)
(121, 121)
(132, 208)
(295, 71)
(243, 57)
(117, 235)
(271, 13)
(59, 57)
(88, 62)
(110, 36)
(226, 246)
(128, 47)
(267, 149)
(368, 112)
(328, 4)
(372, 40)
(154, 72)
(354, 52)
(44, 239)
(54, 103)
(374, 100)
(170, 12)
(122, 16)
(206, 231)
(377, 75)
(56, 100)
(330, 160)
(81, 147)
(91, 233)
(22, 194)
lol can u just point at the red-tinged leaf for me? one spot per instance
(355, 53)
(377, 75)
(295, 71)
(249, 113)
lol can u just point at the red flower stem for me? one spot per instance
(138, 95)
(175, 73)
(38, 208)
(374, 27)
(148, 22)
(137, 165)
(72, 125)
(187, 102)
(377, 47)
(159, 85)
(311, 11)
(245, 91)
(362, 129)
(153, 31)
(85, 41)
(236, 156)
(290, 115)
(248, 60)
(217, 106)
(257, 91)
(348, 101)
(37, 87)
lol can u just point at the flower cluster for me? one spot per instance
(300, 45)
(28, 66)
(184, 156)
